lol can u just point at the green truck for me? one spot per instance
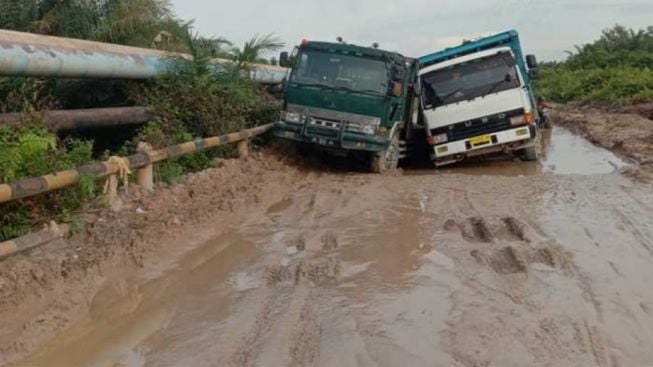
(350, 100)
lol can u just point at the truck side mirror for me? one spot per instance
(531, 61)
(284, 59)
(533, 74)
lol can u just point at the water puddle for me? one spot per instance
(571, 154)
(562, 152)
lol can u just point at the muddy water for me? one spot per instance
(551, 266)
(566, 153)
(561, 152)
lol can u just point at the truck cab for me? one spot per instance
(347, 100)
(477, 99)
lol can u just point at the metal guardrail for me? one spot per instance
(142, 161)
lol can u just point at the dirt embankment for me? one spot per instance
(48, 289)
(627, 130)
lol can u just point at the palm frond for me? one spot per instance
(256, 48)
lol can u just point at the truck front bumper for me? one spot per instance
(329, 138)
(507, 140)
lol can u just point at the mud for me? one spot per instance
(53, 286)
(520, 264)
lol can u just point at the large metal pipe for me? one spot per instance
(27, 54)
(81, 119)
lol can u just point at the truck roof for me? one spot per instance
(353, 49)
(509, 38)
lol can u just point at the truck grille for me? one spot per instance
(480, 126)
(326, 123)
(336, 125)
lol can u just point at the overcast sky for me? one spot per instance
(417, 27)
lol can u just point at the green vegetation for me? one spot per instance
(193, 101)
(133, 22)
(190, 102)
(617, 68)
(32, 151)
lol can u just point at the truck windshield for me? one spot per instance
(470, 80)
(330, 70)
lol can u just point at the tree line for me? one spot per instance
(616, 68)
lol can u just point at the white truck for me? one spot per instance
(477, 99)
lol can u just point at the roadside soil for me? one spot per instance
(272, 261)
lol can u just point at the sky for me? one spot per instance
(417, 27)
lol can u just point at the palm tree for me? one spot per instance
(131, 22)
(213, 46)
(255, 49)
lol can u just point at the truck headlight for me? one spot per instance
(291, 116)
(371, 127)
(522, 120)
(441, 138)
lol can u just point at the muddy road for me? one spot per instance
(499, 264)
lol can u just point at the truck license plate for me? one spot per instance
(480, 140)
(322, 141)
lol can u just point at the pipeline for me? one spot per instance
(27, 54)
(38, 185)
(80, 119)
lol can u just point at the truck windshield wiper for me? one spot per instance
(316, 85)
(444, 99)
(346, 89)
(496, 85)
(362, 91)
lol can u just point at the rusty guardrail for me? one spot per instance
(142, 161)
(58, 120)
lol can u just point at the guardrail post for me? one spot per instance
(243, 148)
(145, 175)
(111, 193)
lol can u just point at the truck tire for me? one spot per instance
(528, 154)
(388, 159)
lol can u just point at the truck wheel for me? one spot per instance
(528, 154)
(387, 159)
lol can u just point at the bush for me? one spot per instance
(609, 85)
(194, 101)
(617, 68)
(29, 151)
